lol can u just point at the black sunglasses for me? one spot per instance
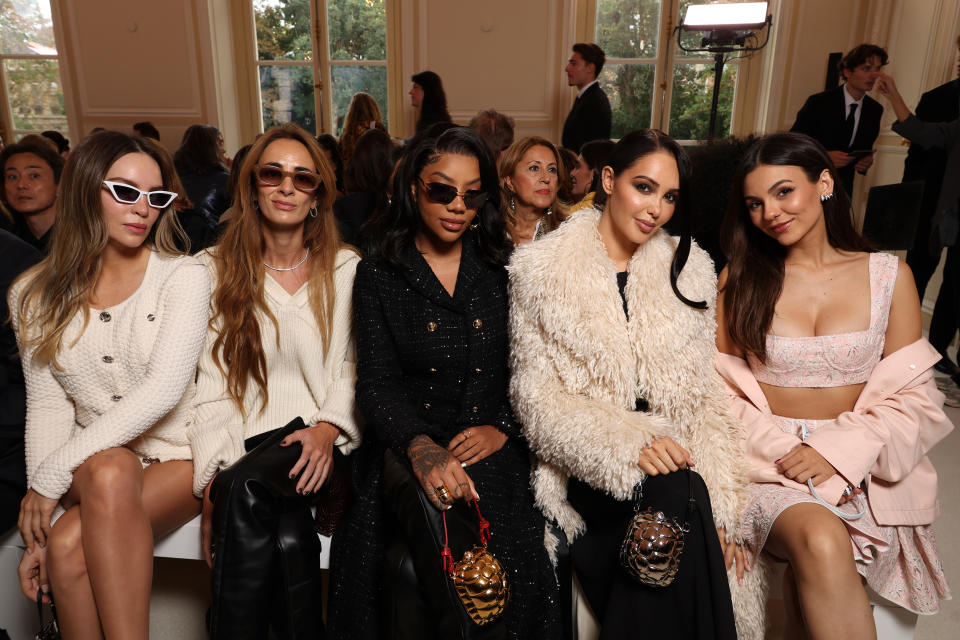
(446, 193)
(302, 180)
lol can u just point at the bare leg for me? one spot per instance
(832, 599)
(793, 627)
(123, 508)
(76, 608)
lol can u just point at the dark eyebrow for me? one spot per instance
(135, 184)
(280, 166)
(777, 184)
(441, 174)
(650, 180)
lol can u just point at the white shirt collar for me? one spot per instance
(848, 100)
(582, 91)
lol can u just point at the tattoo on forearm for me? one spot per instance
(426, 455)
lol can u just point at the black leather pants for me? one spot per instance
(420, 601)
(266, 570)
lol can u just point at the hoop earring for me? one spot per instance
(825, 196)
(313, 212)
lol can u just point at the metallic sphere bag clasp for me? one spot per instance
(653, 544)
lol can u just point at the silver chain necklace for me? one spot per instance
(296, 266)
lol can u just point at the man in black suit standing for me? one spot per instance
(928, 164)
(845, 120)
(590, 116)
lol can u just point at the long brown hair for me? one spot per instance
(362, 111)
(508, 164)
(59, 286)
(238, 258)
(755, 271)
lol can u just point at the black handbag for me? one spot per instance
(51, 629)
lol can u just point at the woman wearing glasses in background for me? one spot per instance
(110, 326)
(275, 391)
(431, 321)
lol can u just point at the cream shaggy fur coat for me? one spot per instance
(578, 366)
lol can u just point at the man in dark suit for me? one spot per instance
(845, 120)
(928, 164)
(590, 116)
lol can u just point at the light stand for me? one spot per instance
(726, 29)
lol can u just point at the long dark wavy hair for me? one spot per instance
(433, 107)
(631, 148)
(396, 227)
(755, 268)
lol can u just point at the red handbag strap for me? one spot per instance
(446, 555)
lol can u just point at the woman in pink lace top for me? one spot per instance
(820, 344)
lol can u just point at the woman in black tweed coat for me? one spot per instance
(430, 311)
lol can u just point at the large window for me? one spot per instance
(649, 81)
(313, 55)
(30, 69)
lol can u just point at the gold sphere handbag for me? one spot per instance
(480, 580)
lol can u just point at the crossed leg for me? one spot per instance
(830, 593)
(100, 552)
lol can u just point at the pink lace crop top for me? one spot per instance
(835, 360)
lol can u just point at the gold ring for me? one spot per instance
(442, 494)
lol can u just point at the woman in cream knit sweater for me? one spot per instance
(279, 352)
(110, 325)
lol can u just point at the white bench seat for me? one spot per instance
(18, 615)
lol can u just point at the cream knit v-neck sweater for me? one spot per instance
(122, 379)
(302, 380)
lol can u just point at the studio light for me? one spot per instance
(728, 29)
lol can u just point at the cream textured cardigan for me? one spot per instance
(122, 378)
(579, 364)
(303, 380)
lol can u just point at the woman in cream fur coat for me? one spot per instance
(615, 389)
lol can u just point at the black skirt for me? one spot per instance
(696, 605)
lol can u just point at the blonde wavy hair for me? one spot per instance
(238, 258)
(508, 164)
(362, 111)
(58, 288)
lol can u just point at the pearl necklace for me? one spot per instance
(296, 266)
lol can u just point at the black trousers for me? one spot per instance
(696, 605)
(266, 572)
(13, 480)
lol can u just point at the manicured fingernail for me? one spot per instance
(740, 581)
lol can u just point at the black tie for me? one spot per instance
(848, 126)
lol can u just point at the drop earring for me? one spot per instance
(825, 196)
(513, 205)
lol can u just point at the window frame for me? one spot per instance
(10, 133)
(668, 56)
(322, 65)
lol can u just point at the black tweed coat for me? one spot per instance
(429, 363)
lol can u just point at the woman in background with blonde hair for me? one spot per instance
(530, 174)
(110, 325)
(275, 390)
(363, 113)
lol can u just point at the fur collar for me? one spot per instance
(580, 308)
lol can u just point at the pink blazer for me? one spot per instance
(884, 440)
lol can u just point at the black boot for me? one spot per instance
(249, 501)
